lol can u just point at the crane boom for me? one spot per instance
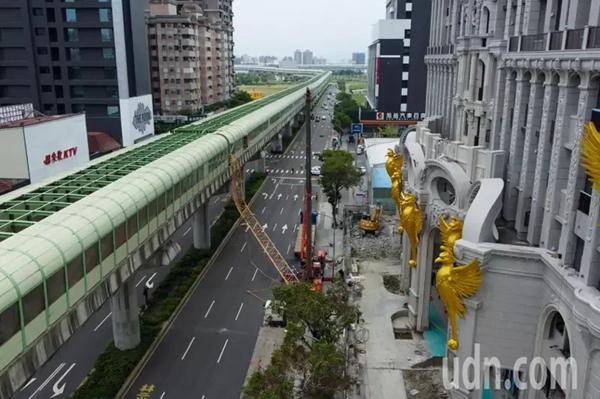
(238, 195)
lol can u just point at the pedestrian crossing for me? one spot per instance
(282, 156)
(294, 172)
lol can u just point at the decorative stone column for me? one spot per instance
(577, 177)
(536, 99)
(515, 152)
(497, 108)
(550, 227)
(542, 164)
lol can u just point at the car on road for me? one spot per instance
(324, 117)
(315, 171)
(362, 170)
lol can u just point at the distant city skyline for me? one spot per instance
(258, 33)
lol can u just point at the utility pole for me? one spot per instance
(307, 222)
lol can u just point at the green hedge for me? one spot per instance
(114, 366)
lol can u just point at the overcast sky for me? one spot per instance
(333, 29)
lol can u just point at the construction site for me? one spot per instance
(387, 351)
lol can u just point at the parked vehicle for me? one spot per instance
(315, 171)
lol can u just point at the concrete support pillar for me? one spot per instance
(532, 132)
(448, 100)
(201, 227)
(287, 130)
(551, 228)
(515, 154)
(125, 316)
(509, 98)
(576, 175)
(590, 262)
(542, 164)
(473, 77)
(507, 31)
(497, 111)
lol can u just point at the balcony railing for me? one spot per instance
(556, 40)
(533, 42)
(594, 37)
(575, 39)
(570, 39)
(445, 49)
(513, 43)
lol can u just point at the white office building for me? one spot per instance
(510, 85)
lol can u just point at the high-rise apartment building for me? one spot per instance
(79, 56)
(396, 71)
(191, 53)
(217, 63)
(307, 57)
(510, 85)
(298, 57)
(176, 36)
(358, 58)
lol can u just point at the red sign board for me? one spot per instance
(59, 155)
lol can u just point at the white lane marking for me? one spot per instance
(140, 282)
(284, 228)
(50, 377)
(287, 197)
(149, 283)
(289, 247)
(295, 228)
(230, 270)
(263, 210)
(202, 396)
(58, 389)
(31, 381)
(279, 196)
(243, 246)
(274, 191)
(275, 227)
(222, 350)
(247, 228)
(209, 308)
(185, 233)
(103, 320)
(254, 275)
(299, 212)
(281, 211)
(239, 311)
(188, 348)
(162, 396)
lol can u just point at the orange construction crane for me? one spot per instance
(238, 195)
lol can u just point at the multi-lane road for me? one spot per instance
(206, 352)
(65, 371)
(207, 349)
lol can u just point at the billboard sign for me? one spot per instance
(56, 146)
(137, 119)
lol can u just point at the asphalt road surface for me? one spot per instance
(65, 371)
(206, 352)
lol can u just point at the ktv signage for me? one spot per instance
(59, 155)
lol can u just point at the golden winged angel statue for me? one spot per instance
(590, 153)
(411, 222)
(454, 283)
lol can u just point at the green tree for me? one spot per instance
(341, 85)
(324, 315)
(389, 131)
(313, 359)
(337, 173)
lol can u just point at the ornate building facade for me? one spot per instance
(510, 85)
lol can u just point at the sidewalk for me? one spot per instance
(385, 356)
